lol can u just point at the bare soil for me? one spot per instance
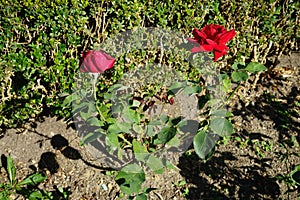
(267, 115)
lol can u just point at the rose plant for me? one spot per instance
(119, 121)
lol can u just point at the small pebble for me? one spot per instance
(104, 187)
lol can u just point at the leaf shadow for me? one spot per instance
(215, 179)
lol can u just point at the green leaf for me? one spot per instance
(155, 122)
(189, 90)
(4, 195)
(221, 126)
(112, 141)
(33, 180)
(68, 100)
(175, 87)
(203, 144)
(92, 136)
(183, 122)
(36, 195)
(77, 107)
(255, 67)
(238, 76)
(169, 165)
(85, 115)
(165, 135)
(155, 164)
(137, 128)
(89, 113)
(117, 86)
(221, 113)
(150, 130)
(164, 119)
(111, 120)
(133, 176)
(94, 121)
(238, 65)
(174, 142)
(141, 197)
(226, 85)
(131, 115)
(119, 127)
(135, 103)
(140, 151)
(11, 170)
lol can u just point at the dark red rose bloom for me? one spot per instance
(212, 38)
(96, 61)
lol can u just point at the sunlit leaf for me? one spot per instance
(141, 197)
(36, 195)
(68, 100)
(119, 127)
(131, 115)
(189, 90)
(174, 142)
(133, 177)
(221, 126)
(11, 170)
(155, 164)
(238, 76)
(139, 150)
(254, 67)
(150, 130)
(33, 179)
(112, 141)
(221, 113)
(204, 144)
(137, 128)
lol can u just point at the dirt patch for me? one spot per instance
(267, 118)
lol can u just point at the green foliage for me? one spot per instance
(41, 41)
(131, 178)
(28, 187)
(20, 187)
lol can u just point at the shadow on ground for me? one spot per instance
(216, 180)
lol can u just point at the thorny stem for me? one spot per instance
(232, 93)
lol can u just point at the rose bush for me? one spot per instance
(96, 62)
(212, 38)
(119, 121)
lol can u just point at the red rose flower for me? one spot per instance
(171, 100)
(96, 61)
(212, 38)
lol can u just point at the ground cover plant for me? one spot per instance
(42, 43)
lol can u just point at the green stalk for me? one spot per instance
(95, 77)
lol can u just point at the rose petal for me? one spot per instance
(225, 37)
(96, 61)
(199, 35)
(197, 49)
(217, 55)
(208, 47)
